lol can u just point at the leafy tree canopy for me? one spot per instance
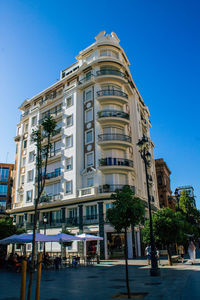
(127, 209)
(7, 228)
(168, 227)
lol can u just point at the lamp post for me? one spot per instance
(143, 145)
(45, 224)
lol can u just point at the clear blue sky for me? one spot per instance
(161, 40)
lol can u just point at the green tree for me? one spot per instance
(192, 214)
(127, 211)
(8, 229)
(42, 138)
(168, 228)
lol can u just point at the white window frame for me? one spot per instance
(92, 164)
(86, 143)
(35, 122)
(71, 138)
(29, 157)
(71, 98)
(71, 160)
(90, 178)
(87, 91)
(87, 111)
(71, 190)
(71, 123)
(31, 191)
(30, 179)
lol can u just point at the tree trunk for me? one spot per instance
(126, 262)
(32, 266)
(169, 255)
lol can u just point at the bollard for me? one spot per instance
(37, 291)
(23, 281)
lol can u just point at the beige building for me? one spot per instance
(100, 117)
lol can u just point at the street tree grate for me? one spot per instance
(133, 295)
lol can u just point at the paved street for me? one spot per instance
(103, 281)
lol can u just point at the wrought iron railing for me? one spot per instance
(110, 72)
(111, 93)
(113, 113)
(114, 137)
(112, 161)
(111, 188)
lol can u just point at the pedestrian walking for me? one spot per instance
(192, 251)
(148, 253)
(181, 252)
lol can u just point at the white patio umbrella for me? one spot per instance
(88, 237)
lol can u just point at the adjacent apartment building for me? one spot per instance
(100, 117)
(166, 198)
(6, 182)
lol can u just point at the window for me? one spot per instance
(159, 178)
(90, 159)
(90, 181)
(25, 144)
(69, 141)
(89, 115)
(30, 176)
(68, 187)
(26, 127)
(23, 161)
(109, 53)
(88, 95)
(3, 189)
(22, 179)
(29, 196)
(31, 141)
(69, 102)
(34, 121)
(91, 212)
(4, 173)
(31, 156)
(69, 164)
(69, 121)
(53, 189)
(72, 213)
(89, 136)
(109, 205)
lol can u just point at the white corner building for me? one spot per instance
(100, 117)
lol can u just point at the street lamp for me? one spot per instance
(143, 145)
(45, 224)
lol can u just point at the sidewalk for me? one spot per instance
(102, 282)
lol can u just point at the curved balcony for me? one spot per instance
(108, 115)
(110, 74)
(114, 138)
(110, 163)
(116, 95)
(111, 188)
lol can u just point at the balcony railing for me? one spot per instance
(114, 137)
(111, 93)
(87, 191)
(112, 161)
(111, 188)
(110, 72)
(55, 173)
(53, 114)
(85, 79)
(113, 113)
